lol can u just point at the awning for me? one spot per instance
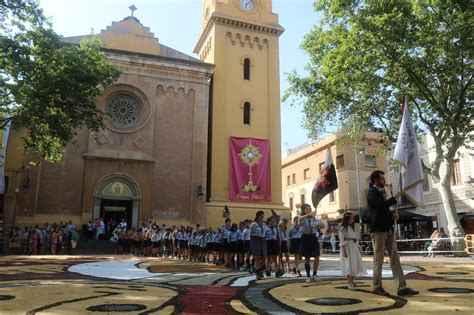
(466, 216)
(405, 216)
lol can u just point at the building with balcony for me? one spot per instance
(462, 185)
(301, 167)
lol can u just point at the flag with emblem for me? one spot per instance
(327, 181)
(407, 155)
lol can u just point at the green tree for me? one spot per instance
(365, 54)
(47, 86)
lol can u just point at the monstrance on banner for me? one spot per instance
(327, 181)
(249, 170)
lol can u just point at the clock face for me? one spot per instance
(247, 5)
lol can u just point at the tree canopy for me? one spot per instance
(47, 86)
(365, 54)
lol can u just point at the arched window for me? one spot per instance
(246, 113)
(246, 69)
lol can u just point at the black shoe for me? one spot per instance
(279, 273)
(407, 291)
(268, 274)
(380, 291)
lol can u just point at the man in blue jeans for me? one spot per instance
(382, 232)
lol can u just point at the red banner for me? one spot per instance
(249, 170)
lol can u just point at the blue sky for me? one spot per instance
(176, 23)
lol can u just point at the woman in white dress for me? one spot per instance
(333, 240)
(351, 258)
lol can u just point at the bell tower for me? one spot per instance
(241, 38)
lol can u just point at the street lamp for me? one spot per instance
(358, 151)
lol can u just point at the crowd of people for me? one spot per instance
(47, 239)
(177, 241)
(260, 246)
(252, 245)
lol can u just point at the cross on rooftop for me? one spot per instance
(132, 8)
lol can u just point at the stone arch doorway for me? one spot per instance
(117, 196)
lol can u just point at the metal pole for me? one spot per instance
(359, 201)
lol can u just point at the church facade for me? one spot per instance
(163, 154)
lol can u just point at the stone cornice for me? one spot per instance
(161, 69)
(221, 19)
(103, 154)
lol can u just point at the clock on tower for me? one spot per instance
(247, 5)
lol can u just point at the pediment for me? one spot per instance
(130, 35)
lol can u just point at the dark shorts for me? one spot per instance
(210, 247)
(272, 247)
(246, 245)
(226, 246)
(147, 243)
(240, 247)
(155, 244)
(182, 244)
(233, 247)
(218, 247)
(167, 243)
(295, 244)
(194, 249)
(136, 243)
(309, 246)
(284, 247)
(258, 246)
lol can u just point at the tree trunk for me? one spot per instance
(455, 229)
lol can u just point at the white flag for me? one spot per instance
(407, 155)
(3, 151)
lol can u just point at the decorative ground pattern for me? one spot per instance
(120, 284)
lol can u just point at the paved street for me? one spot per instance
(87, 284)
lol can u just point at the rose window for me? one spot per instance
(123, 111)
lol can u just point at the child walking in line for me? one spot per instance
(294, 236)
(258, 244)
(246, 245)
(209, 245)
(284, 245)
(226, 247)
(309, 248)
(271, 237)
(351, 258)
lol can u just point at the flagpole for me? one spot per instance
(400, 190)
(359, 201)
(400, 183)
(395, 227)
